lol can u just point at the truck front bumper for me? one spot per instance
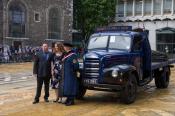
(103, 87)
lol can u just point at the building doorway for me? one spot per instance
(165, 41)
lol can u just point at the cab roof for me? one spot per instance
(127, 33)
(119, 30)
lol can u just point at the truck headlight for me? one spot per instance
(115, 73)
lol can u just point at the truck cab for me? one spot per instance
(117, 61)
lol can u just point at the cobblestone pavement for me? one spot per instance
(16, 100)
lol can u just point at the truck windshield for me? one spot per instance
(119, 42)
(115, 42)
(99, 42)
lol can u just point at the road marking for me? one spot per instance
(15, 81)
(7, 79)
(24, 77)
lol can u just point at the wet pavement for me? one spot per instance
(13, 73)
(16, 100)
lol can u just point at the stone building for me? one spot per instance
(157, 16)
(30, 22)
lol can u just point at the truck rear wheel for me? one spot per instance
(157, 79)
(162, 78)
(129, 91)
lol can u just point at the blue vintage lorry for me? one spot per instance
(116, 59)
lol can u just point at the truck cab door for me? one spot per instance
(138, 55)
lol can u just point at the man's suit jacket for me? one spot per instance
(42, 64)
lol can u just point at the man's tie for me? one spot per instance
(46, 56)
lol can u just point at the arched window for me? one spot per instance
(54, 24)
(17, 20)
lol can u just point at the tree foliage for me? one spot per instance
(90, 14)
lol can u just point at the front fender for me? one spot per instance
(115, 74)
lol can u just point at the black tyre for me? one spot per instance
(162, 78)
(81, 93)
(81, 90)
(157, 79)
(129, 91)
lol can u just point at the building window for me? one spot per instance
(174, 7)
(17, 20)
(54, 24)
(147, 8)
(167, 6)
(157, 7)
(138, 7)
(121, 8)
(164, 44)
(129, 8)
(37, 17)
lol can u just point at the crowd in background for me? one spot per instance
(9, 54)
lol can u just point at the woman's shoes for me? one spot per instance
(67, 102)
(56, 100)
(64, 100)
(60, 100)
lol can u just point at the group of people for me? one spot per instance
(16, 54)
(61, 67)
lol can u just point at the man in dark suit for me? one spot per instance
(42, 70)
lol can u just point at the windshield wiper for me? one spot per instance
(97, 49)
(118, 49)
(95, 40)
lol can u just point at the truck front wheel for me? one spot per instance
(162, 78)
(81, 93)
(129, 90)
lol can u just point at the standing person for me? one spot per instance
(57, 69)
(6, 53)
(42, 70)
(20, 52)
(70, 82)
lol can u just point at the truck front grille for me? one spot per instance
(92, 68)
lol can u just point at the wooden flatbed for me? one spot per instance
(156, 65)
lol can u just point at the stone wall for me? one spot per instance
(37, 32)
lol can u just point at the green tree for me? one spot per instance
(90, 14)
